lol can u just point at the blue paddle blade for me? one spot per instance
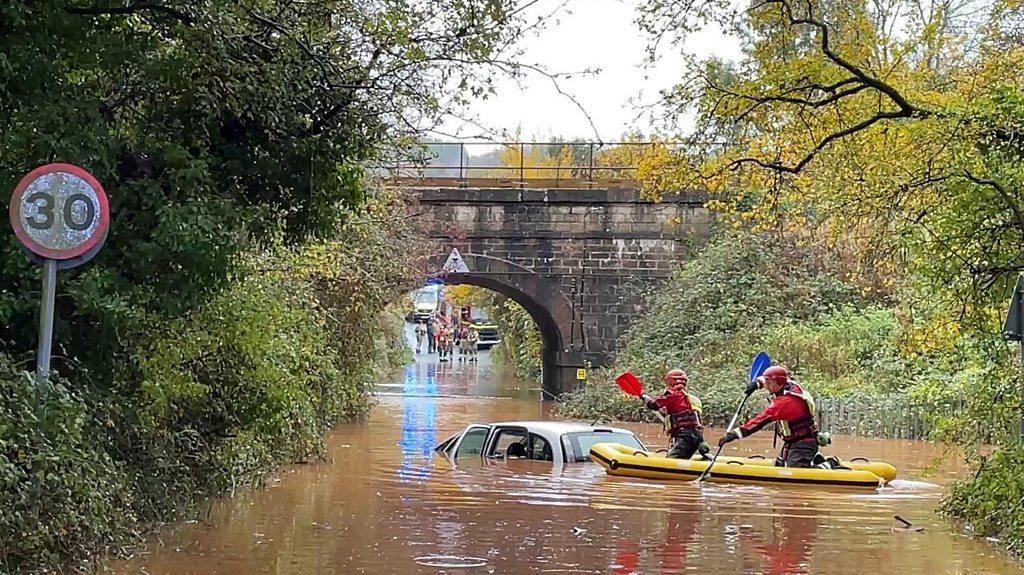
(761, 363)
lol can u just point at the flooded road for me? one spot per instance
(385, 504)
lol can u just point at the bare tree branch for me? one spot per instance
(826, 48)
(795, 169)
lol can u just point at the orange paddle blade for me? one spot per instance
(630, 384)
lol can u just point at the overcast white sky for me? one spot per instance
(592, 34)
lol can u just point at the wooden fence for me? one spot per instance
(885, 418)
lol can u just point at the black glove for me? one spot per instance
(731, 436)
(751, 387)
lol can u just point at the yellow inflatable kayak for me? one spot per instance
(879, 468)
(618, 459)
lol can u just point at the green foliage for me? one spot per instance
(602, 400)
(902, 145)
(847, 352)
(208, 401)
(991, 501)
(521, 346)
(742, 293)
(739, 284)
(61, 494)
(977, 382)
(214, 126)
(747, 292)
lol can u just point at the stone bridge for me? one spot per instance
(579, 260)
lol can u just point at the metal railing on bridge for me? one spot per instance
(526, 164)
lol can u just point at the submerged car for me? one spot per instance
(556, 441)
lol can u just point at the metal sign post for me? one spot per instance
(46, 328)
(60, 214)
(1013, 330)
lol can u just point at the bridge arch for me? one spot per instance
(541, 298)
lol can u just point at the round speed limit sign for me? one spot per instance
(60, 212)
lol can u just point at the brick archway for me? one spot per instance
(549, 308)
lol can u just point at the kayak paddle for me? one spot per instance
(761, 362)
(630, 384)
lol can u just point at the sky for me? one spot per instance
(589, 34)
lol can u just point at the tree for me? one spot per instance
(216, 125)
(893, 125)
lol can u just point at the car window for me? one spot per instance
(582, 441)
(505, 439)
(447, 445)
(472, 442)
(540, 450)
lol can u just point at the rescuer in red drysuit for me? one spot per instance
(683, 412)
(793, 408)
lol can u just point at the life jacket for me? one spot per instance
(803, 428)
(688, 417)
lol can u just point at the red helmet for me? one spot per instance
(676, 377)
(776, 374)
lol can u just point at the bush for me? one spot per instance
(602, 400)
(991, 502)
(61, 494)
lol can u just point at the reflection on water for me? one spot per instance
(384, 503)
(419, 422)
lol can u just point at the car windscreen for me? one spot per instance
(446, 445)
(582, 441)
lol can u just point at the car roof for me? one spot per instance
(558, 427)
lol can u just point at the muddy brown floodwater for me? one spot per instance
(385, 504)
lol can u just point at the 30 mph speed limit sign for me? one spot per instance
(60, 212)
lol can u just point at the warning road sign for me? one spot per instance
(455, 264)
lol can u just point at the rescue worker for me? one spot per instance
(447, 342)
(793, 408)
(683, 412)
(441, 338)
(463, 344)
(472, 337)
(431, 334)
(421, 331)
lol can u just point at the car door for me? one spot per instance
(472, 441)
(540, 449)
(503, 438)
